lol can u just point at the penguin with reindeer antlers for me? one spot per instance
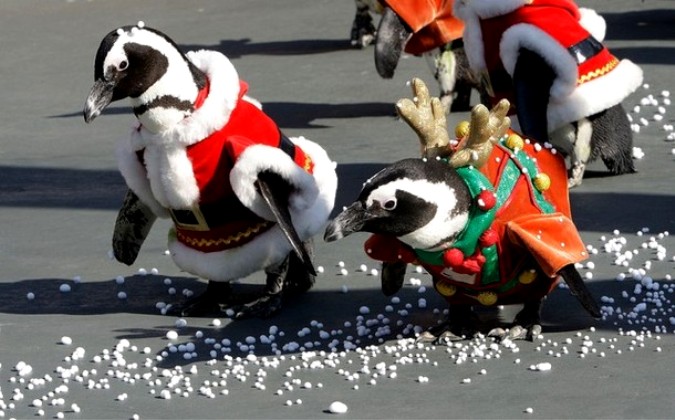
(488, 217)
(243, 197)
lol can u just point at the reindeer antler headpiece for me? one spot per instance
(426, 116)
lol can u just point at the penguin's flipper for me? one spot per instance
(132, 226)
(579, 290)
(532, 81)
(392, 35)
(275, 191)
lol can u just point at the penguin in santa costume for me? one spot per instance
(547, 58)
(243, 197)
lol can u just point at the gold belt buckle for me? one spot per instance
(194, 213)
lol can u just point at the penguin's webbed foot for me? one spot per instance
(527, 324)
(460, 324)
(264, 307)
(287, 279)
(516, 332)
(218, 297)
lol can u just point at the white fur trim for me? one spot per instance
(170, 176)
(593, 23)
(214, 112)
(310, 209)
(269, 248)
(136, 178)
(472, 36)
(525, 35)
(259, 158)
(596, 95)
(569, 102)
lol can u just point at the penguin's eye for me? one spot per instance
(389, 205)
(123, 65)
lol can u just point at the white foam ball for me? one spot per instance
(338, 407)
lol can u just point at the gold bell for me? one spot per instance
(527, 276)
(514, 141)
(542, 182)
(462, 129)
(487, 298)
(445, 288)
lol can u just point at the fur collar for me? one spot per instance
(170, 181)
(211, 116)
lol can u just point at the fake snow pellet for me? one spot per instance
(337, 407)
(541, 367)
(65, 340)
(172, 335)
(64, 288)
(30, 295)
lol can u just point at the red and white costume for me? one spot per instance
(495, 30)
(210, 161)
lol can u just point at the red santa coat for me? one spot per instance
(589, 79)
(202, 174)
(510, 251)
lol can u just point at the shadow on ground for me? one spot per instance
(561, 312)
(236, 48)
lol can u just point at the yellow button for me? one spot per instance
(514, 141)
(542, 182)
(487, 298)
(527, 277)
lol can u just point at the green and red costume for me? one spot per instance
(519, 234)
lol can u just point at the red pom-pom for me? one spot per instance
(453, 257)
(488, 238)
(486, 200)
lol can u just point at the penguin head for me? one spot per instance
(146, 66)
(424, 203)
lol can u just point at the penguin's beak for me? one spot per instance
(100, 96)
(352, 219)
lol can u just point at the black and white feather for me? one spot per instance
(421, 202)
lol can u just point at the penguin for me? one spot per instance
(418, 207)
(242, 196)
(424, 28)
(566, 87)
(486, 214)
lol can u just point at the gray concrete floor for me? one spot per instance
(60, 190)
